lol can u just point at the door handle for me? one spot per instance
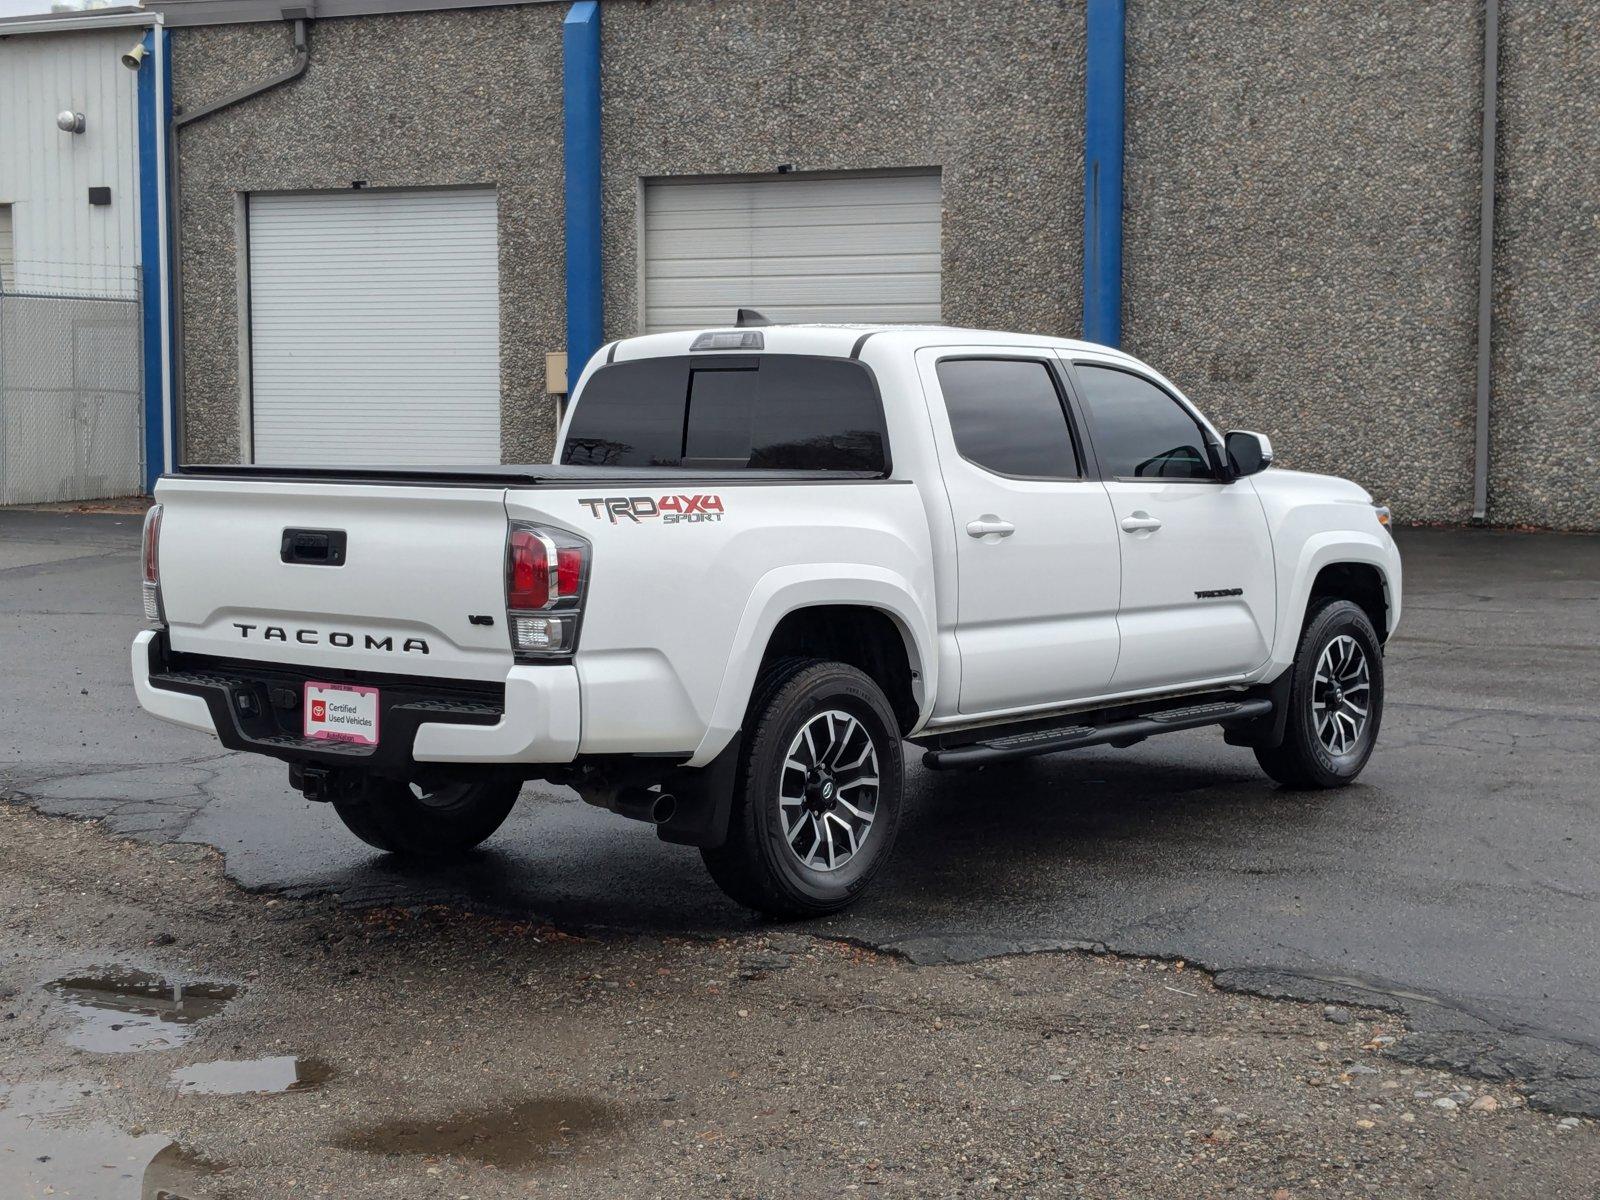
(1141, 522)
(986, 525)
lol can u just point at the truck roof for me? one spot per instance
(841, 340)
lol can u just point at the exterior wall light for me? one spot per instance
(69, 121)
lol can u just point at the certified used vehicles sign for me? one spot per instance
(342, 712)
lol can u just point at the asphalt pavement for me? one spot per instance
(1458, 883)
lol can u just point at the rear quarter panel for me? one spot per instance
(687, 584)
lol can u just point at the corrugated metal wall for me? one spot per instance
(59, 241)
(846, 248)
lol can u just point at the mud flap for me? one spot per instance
(705, 800)
(1266, 732)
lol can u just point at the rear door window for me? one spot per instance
(774, 411)
(1006, 417)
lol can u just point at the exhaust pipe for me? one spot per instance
(641, 804)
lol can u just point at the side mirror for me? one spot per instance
(1248, 453)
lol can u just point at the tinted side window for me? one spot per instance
(630, 415)
(776, 411)
(1140, 432)
(1007, 417)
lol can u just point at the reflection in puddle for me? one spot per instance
(515, 1135)
(236, 1078)
(50, 1147)
(121, 1011)
(176, 1174)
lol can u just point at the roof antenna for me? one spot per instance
(749, 316)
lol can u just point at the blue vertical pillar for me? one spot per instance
(580, 90)
(151, 273)
(1102, 172)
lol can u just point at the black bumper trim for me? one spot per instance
(246, 703)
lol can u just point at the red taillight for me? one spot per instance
(153, 610)
(527, 570)
(569, 571)
(545, 577)
(152, 542)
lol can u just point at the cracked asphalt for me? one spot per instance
(1457, 885)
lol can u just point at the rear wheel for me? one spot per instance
(817, 798)
(436, 819)
(1335, 701)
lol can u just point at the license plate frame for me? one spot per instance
(354, 722)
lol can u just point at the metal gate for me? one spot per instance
(71, 396)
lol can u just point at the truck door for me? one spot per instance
(1037, 554)
(1199, 588)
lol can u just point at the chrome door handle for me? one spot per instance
(984, 526)
(1141, 522)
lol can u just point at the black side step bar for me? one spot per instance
(1074, 737)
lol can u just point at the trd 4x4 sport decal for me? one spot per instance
(670, 510)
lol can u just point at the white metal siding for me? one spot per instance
(847, 248)
(7, 256)
(59, 241)
(375, 328)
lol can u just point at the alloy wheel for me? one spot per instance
(1341, 695)
(828, 790)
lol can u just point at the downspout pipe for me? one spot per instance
(1486, 188)
(580, 94)
(149, 126)
(1104, 89)
(296, 68)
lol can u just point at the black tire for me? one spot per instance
(450, 818)
(757, 866)
(1306, 759)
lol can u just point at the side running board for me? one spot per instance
(1052, 739)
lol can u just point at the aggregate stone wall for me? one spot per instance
(418, 100)
(1301, 195)
(991, 93)
(1544, 468)
(1301, 229)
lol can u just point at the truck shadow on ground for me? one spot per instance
(1025, 842)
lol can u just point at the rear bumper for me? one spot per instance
(533, 718)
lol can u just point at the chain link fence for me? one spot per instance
(71, 394)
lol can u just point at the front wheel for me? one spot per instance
(817, 798)
(1335, 701)
(435, 819)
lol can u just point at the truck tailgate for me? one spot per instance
(419, 588)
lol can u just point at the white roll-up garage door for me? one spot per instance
(375, 328)
(841, 248)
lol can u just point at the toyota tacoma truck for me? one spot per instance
(765, 561)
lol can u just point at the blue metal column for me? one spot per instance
(151, 267)
(580, 90)
(1102, 172)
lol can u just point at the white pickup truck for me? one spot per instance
(766, 559)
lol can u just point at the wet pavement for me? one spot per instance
(1459, 882)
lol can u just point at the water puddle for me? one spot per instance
(513, 1136)
(51, 1146)
(122, 1011)
(284, 1073)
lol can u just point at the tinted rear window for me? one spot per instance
(776, 411)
